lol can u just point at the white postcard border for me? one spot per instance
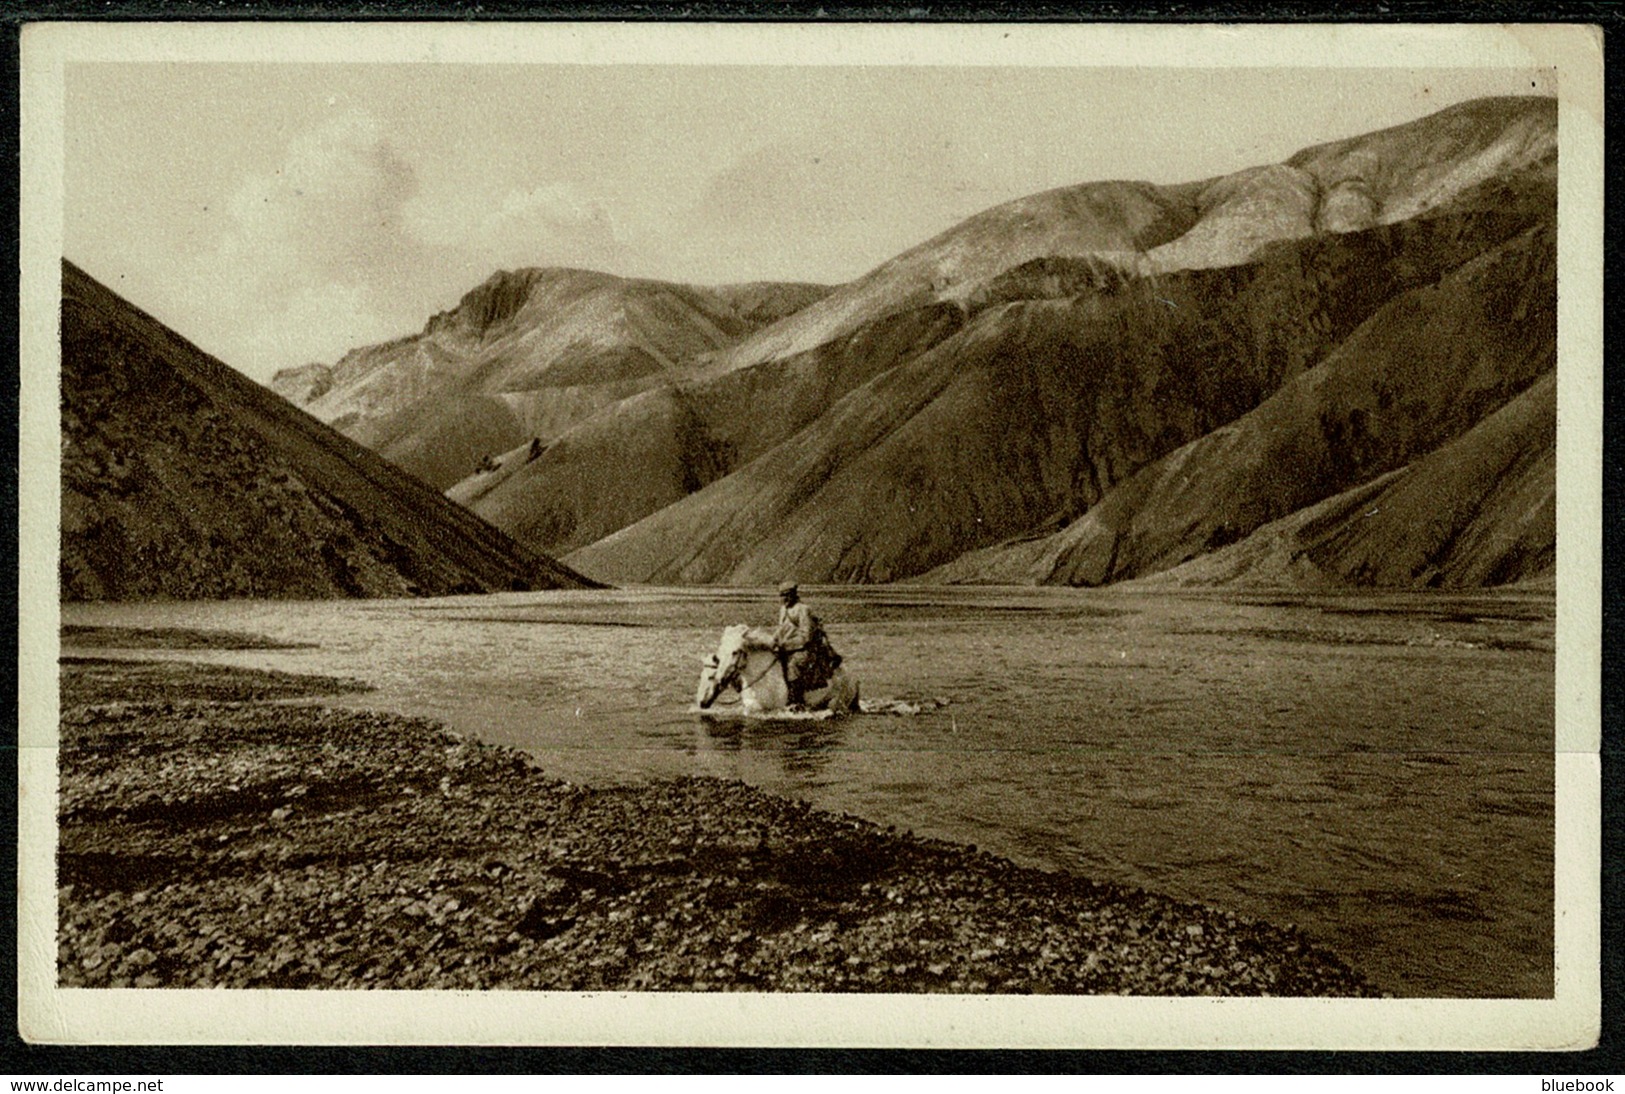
(1570, 1020)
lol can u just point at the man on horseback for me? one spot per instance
(796, 651)
(793, 639)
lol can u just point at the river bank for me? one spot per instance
(213, 834)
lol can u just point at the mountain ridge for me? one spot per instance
(1073, 341)
(1047, 224)
(526, 353)
(1009, 379)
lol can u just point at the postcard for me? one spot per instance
(811, 535)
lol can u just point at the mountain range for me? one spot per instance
(183, 479)
(1328, 371)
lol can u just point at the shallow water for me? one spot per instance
(1376, 769)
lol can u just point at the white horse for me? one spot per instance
(745, 660)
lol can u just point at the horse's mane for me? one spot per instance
(755, 638)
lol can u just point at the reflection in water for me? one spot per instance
(802, 747)
(808, 752)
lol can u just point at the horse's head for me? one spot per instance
(721, 669)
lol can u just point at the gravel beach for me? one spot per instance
(219, 828)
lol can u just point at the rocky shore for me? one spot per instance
(214, 833)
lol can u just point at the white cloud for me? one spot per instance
(316, 252)
(810, 205)
(555, 204)
(310, 260)
(334, 204)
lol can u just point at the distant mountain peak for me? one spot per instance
(496, 300)
(302, 383)
(1379, 177)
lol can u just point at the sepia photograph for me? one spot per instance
(811, 535)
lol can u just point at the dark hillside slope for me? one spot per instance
(1481, 510)
(183, 479)
(1424, 369)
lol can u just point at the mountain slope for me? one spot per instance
(183, 479)
(653, 450)
(1481, 510)
(1039, 407)
(1170, 313)
(527, 354)
(1425, 368)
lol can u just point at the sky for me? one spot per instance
(277, 214)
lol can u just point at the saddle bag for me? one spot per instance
(822, 658)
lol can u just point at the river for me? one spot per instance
(1377, 769)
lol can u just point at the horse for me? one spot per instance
(745, 660)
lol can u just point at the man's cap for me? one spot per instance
(786, 587)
